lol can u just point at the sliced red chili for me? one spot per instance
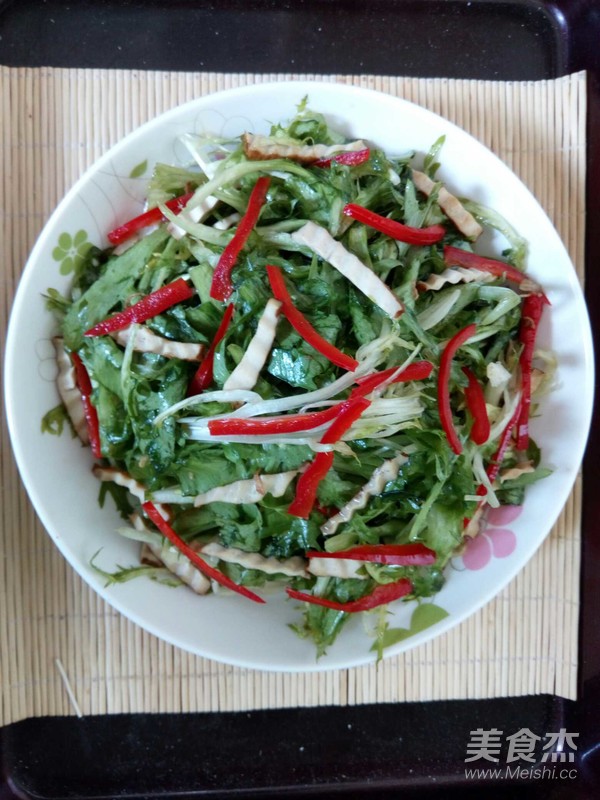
(204, 374)
(457, 257)
(290, 423)
(493, 467)
(302, 326)
(396, 230)
(151, 217)
(352, 410)
(415, 554)
(221, 286)
(444, 407)
(308, 482)
(210, 572)
(91, 415)
(496, 462)
(533, 306)
(418, 371)
(380, 596)
(480, 430)
(150, 306)
(351, 158)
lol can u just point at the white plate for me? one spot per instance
(56, 471)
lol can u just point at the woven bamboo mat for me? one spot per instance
(54, 124)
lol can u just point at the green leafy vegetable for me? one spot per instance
(125, 574)
(139, 169)
(424, 616)
(53, 421)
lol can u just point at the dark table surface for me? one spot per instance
(411, 749)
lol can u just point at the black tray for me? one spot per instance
(409, 749)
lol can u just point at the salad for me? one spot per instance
(293, 370)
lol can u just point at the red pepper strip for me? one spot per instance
(418, 371)
(480, 432)
(289, 423)
(381, 596)
(403, 233)
(210, 572)
(150, 217)
(308, 482)
(533, 306)
(151, 305)
(444, 385)
(457, 257)
(91, 415)
(221, 287)
(204, 374)
(493, 467)
(496, 462)
(401, 554)
(353, 408)
(351, 158)
(302, 326)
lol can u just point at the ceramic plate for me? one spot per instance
(228, 627)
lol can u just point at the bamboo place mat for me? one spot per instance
(55, 123)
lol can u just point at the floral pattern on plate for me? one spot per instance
(494, 541)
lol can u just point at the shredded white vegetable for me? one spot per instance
(383, 474)
(329, 249)
(245, 375)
